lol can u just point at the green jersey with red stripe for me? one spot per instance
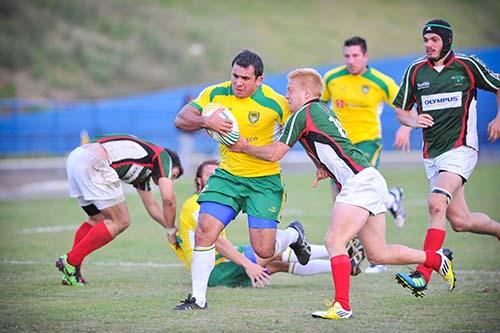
(320, 133)
(449, 94)
(136, 161)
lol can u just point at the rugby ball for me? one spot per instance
(226, 139)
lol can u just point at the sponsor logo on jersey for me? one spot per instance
(365, 89)
(253, 116)
(339, 103)
(458, 80)
(442, 101)
(423, 85)
(133, 173)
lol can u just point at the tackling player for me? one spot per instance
(359, 207)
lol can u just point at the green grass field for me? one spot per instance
(136, 280)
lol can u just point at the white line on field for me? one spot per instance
(97, 263)
(48, 229)
(150, 264)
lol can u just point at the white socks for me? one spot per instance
(317, 251)
(201, 267)
(313, 267)
(284, 238)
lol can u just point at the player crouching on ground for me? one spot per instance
(94, 173)
(359, 207)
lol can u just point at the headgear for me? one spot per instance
(443, 29)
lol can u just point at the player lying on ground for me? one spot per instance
(359, 207)
(237, 267)
(95, 171)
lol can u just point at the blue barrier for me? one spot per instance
(54, 127)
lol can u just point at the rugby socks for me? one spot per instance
(434, 240)
(201, 267)
(284, 238)
(341, 272)
(97, 237)
(81, 232)
(317, 252)
(313, 267)
(432, 260)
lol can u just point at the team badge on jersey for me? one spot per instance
(458, 80)
(253, 116)
(365, 89)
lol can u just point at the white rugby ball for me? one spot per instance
(226, 139)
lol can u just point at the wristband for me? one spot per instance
(171, 231)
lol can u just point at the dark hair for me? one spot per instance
(356, 40)
(199, 171)
(247, 58)
(176, 161)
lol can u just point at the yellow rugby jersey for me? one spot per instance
(260, 117)
(357, 100)
(188, 220)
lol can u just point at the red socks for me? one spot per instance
(432, 259)
(97, 237)
(341, 272)
(434, 239)
(81, 232)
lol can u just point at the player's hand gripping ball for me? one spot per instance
(226, 139)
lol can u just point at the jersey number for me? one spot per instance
(336, 122)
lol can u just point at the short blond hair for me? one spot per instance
(308, 78)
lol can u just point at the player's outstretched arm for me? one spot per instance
(152, 206)
(256, 273)
(272, 152)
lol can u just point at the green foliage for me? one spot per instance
(137, 298)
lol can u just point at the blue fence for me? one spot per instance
(54, 127)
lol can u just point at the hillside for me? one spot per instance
(75, 49)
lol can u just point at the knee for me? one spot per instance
(264, 253)
(437, 204)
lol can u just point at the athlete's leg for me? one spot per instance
(212, 220)
(116, 220)
(372, 235)
(347, 220)
(461, 219)
(441, 195)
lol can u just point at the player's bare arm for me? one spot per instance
(152, 206)
(321, 174)
(402, 138)
(169, 206)
(494, 125)
(412, 119)
(272, 152)
(190, 119)
(256, 273)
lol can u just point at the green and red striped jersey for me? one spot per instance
(135, 160)
(320, 133)
(449, 95)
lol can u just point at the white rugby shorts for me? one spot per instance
(366, 189)
(460, 161)
(91, 179)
